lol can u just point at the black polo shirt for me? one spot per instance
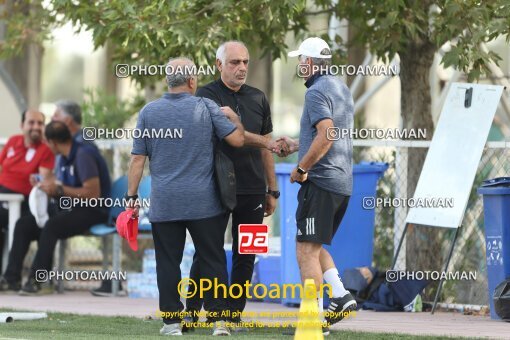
(252, 106)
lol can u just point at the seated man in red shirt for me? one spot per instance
(23, 156)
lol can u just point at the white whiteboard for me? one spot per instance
(455, 151)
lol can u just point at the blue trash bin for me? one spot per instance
(353, 243)
(266, 272)
(496, 210)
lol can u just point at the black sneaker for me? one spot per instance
(33, 287)
(9, 286)
(340, 307)
(189, 321)
(106, 289)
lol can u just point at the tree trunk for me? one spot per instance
(260, 73)
(25, 69)
(110, 81)
(423, 244)
(355, 54)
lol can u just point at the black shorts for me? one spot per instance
(318, 214)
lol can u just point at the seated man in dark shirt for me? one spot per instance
(82, 174)
(69, 113)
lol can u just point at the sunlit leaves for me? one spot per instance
(393, 26)
(152, 31)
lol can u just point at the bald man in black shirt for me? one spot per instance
(254, 165)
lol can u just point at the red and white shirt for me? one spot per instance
(18, 162)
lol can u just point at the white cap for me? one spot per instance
(314, 48)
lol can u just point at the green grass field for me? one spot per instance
(72, 326)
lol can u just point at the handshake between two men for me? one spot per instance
(282, 146)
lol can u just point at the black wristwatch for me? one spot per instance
(301, 170)
(60, 190)
(129, 198)
(275, 194)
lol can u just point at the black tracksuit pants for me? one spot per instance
(169, 240)
(62, 225)
(249, 210)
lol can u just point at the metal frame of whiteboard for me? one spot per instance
(455, 151)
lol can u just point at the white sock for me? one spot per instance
(332, 278)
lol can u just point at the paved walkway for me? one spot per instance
(446, 324)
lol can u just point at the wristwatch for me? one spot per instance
(274, 193)
(301, 170)
(132, 197)
(60, 190)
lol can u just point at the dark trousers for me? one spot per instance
(169, 241)
(249, 210)
(62, 225)
(4, 219)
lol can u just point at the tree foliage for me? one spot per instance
(102, 110)
(148, 32)
(392, 27)
(25, 22)
(142, 32)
